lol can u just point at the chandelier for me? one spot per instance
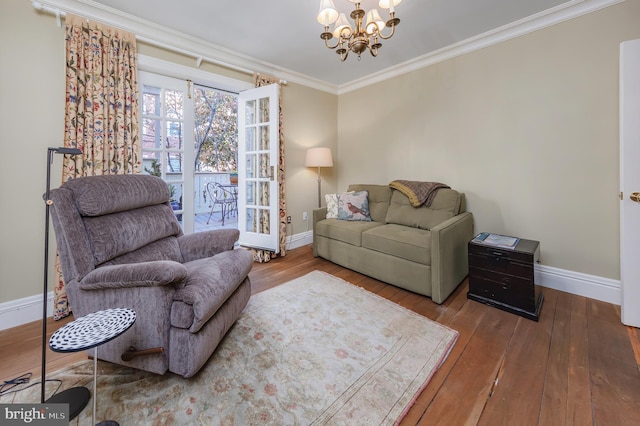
(359, 37)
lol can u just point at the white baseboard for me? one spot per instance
(591, 286)
(21, 311)
(28, 309)
(299, 240)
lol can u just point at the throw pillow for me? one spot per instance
(354, 206)
(332, 204)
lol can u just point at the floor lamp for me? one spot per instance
(319, 157)
(76, 397)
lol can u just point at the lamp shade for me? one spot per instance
(327, 14)
(318, 157)
(342, 27)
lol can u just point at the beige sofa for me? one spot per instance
(421, 249)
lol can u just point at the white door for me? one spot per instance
(167, 128)
(630, 181)
(258, 152)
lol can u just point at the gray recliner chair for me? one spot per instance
(121, 246)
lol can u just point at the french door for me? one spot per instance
(167, 129)
(258, 154)
(168, 134)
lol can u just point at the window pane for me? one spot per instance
(251, 139)
(264, 193)
(251, 193)
(174, 166)
(251, 166)
(151, 134)
(250, 112)
(251, 220)
(264, 110)
(176, 194)
(151, 100)
(174, 135)
(151, 163)
(264, 165)
(264, 137)
(174, 105)
(264, 222)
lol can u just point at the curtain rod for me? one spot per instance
(59, 14)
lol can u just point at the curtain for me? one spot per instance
(263, 256)
(101, 110)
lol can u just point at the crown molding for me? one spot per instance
(564, 12)
(157, 35)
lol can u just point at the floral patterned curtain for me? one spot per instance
(101, 110)
(263, 256)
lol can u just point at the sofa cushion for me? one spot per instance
(379, 196)
(408, 243)
(342, 230)
(445, 205)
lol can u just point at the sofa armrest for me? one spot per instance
(206, 244)
(145, 274)
(449, 255)
(318, 215)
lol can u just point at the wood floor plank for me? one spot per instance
(614, 373)
(579, 410)
(591, 360)
(553, 410)
(517, 396)
(474, 373)
(466, 324)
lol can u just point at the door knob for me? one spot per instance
(635, 196)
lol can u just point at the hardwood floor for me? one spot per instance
(577, 366)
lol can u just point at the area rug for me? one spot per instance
(314, 351)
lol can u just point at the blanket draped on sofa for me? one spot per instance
(419, 193)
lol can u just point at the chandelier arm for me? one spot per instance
(387, 37)
(326, 43)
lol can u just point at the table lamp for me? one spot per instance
(319, 157)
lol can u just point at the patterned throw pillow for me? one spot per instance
(354, 206)
(332, 204)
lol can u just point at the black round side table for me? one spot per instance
(91, 331)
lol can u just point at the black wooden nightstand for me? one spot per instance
(504, 278)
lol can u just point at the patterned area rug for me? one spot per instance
(314, 351)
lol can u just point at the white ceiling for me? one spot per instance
(285, 33)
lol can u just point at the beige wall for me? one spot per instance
(528, 129)
(31, 119)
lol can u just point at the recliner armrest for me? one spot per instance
(207, 244)
(145, 274)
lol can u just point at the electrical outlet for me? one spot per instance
(288, 219)
(304, 216)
